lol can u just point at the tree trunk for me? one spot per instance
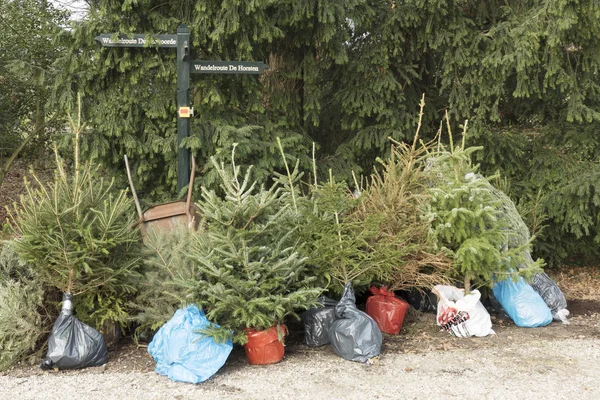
(8, 164)
(467, 285)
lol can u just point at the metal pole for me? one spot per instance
(183, 100)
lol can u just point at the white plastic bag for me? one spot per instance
(462, 316)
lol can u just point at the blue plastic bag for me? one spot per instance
(184, 355)
(526, 308)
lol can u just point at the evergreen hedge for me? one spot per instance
(347, 75)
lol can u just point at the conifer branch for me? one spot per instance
(314, 164)
(422, 106)
(289, 175)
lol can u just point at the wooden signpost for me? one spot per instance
(181, 41)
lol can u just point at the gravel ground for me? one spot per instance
(554, 362)
(551, 370)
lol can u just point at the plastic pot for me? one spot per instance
(387, 310)
(265, 347)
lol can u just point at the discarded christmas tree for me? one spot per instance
(166, 262)
(251, 274)
(77, 235)
(466, 217)
(21, 300)
(343, 248)
(373, 234)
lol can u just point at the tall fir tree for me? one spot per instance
(346, 75)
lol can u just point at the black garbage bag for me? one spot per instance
(421, 299)
(354, 335)
(73, 344)
(552, 295)
(491, 304)
(317, 321)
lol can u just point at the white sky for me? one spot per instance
(78, 7)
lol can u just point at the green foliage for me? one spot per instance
(340, 247)
(372, 235)
(20, 322)
(218, 334)
(553, 172)
(467, 216)
(166, 261)
(77, 233)
(397, 193)
(528, 83)
(28, 53)
(345, 74)
(12, 267)
(524, 61)
(130, 94)
(249, 271)
(26, 66)
(21, 297)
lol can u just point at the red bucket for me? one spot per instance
(264, 347)
(387, 310)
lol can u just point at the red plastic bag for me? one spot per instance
(265, 347)
(387, 310)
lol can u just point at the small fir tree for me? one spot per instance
(396, 191)
(251, 274)
(22, 324)
(166, 262)
(466, 217)
(77, 234)
(342, 248)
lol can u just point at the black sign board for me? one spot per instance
(137, 40)
(227, 67)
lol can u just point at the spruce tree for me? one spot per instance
(77, 233)
(249, 271)
(22, 322)
(466, 217)
(343, 74)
